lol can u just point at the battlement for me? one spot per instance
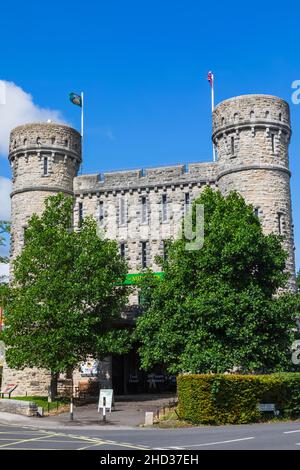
(154, 176)
(48, 136)
(251, 111)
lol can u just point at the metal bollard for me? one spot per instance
(104, 409)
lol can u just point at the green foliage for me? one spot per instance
(66, 297)
(215, 308)
(298, 279)
(234, 399)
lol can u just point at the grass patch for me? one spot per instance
(171, 420)
(58, 405)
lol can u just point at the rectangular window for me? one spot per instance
(80, 214)
(164, 208)
(186, 202)
(101, 213)
(144, 254)
(144, 210)
(273, 142)
(45, 167)
(122, 211)
(165, 250)
(280, 223)
(232, 146)
(122, 249)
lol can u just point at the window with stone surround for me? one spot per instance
(165, 250)
(273, 142)
(280, 222)
(45, 166)
(186, 202)
(122, 211)
(101, 213)
(232, 146)
(144, 254)
(164, 202)
(144, 211)
(80, 214)
(122, 249)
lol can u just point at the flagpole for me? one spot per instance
(82, 106)
(82, 127)
(212, 109)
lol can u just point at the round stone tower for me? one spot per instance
(44, 158)
(251, 134)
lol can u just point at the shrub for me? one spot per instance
(234, 399)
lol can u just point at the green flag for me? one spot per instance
(75, 99)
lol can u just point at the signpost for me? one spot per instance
(106, 397)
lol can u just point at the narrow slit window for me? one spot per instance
(273, 142)
(256, 211)
(122, 249)
(280, 223)
(80, 214)
(45, 166)
(144, 255)
(232, 146)
(164, 208)
(122, 209)
(186, 202)
(165, 250)
(144, 210)
(101, 213)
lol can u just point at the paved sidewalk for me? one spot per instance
(129, 412)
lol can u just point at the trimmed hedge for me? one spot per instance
(234, 399)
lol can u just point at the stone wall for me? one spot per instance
(26, 408)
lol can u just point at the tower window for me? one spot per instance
(38, 141)
(232, 146)
(251, 114)
(52, 140)
(122, 211)
(144, 255)
(267, 114)
(256, 211)
(165, 250)
(122, 249)
(273, 142)
(144, 210)
(80, 214)
(164, 208)
(280, 117)
(186, 202)
(101, 213)
(280, 222)
(25, 142)
(45, 166)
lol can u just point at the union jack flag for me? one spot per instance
(210, 78)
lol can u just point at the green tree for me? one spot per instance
(66, 295)
(215, 308)
(298, 279)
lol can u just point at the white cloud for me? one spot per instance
(17, 107)
(5, 190)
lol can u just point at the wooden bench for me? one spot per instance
(8, 390)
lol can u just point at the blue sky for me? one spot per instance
(143, 66)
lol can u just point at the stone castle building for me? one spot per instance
(142, 208)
